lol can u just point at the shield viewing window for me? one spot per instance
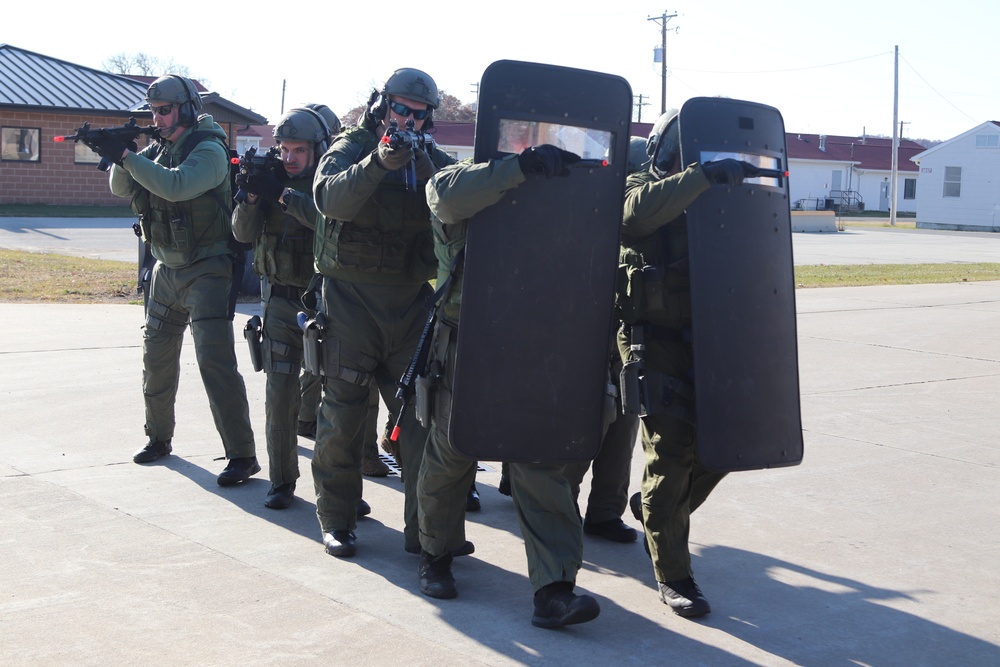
(761, 161)
(20, 144)
(588, 143)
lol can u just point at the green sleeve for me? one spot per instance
(122, 183)
(301, 206)
(205, 168)
(651, 203)
(346, 178)
(459, 191)
(248, 219)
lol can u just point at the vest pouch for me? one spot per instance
(155, 232)
(181, 233)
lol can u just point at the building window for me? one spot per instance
(909, 188)
(952, 182)
(84, 154)
(20, 144)
(988, 141)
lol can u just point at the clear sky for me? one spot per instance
(828, 67)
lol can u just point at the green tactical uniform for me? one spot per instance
(553, 538)
(657, 302)
(373, 246)
(612, 467)
(184, 209)
(282, 237)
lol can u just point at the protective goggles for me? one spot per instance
(162, 111)
(404, 111)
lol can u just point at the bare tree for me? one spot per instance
(144, 64)
(451, 108)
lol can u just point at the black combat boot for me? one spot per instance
(239, 470)
(684, 597)
(152, 451)
(612, 529)
(280, 496)
(436, 580)
(340, 543)
(472, 502)
(556, 606)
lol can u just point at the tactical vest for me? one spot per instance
(284, 249)
(388, 241)
(653, 279)
(187, 229)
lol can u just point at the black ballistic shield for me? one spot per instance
(742, 291)
(540, 267)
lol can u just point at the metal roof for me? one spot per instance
(31, 80)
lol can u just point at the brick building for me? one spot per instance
(43, 97)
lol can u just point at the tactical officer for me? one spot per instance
(278, 217)
(180, 187)
(542, 496)
(654, 251)
(374, 249)
(611, 469)
(311, 388)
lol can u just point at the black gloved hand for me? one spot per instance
(546, 160)
(724, 172)
(263, 183)
(241, 180)
(112, 148)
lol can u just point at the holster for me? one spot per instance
(424, 393)
(254, 332)
(632, 380)
(633, 388)
(312, 344)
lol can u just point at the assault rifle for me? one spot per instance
(93, 139)
(251, 163)
(415, 382)
(408, 138)
(407, 385)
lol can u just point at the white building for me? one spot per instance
(827, 171)
(960, 181)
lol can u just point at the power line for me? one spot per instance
(936, 91)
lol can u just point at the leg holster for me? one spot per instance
(279, 357)
(161, 318)
(339, 360)
(650, 392)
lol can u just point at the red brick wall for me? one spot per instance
(56, 178)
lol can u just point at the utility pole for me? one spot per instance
(665, 18)
(895, 142)
(640, 104)
(283, 82)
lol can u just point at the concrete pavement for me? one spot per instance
(112, 238)
(96, 238)
(879, 549)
